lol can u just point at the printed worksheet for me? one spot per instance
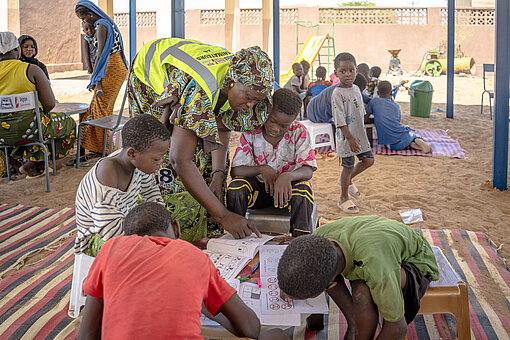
(230, 255)
(269, 257)
(250, 294)
(271, 302)
(246, 247)
(228, 265)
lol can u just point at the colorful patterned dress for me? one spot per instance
(20, 127)
(111, 70)
(195, 113)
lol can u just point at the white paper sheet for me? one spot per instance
(204, 320)
(273, 304)
(411, 216)
(228, 265)
(250, 294)
(247, 246)
(269, 257)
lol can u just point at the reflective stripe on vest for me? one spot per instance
(174, 51)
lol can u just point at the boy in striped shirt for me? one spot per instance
(112, 187)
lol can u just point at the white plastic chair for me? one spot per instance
(318, 129)
(82, 264)
(21, 102)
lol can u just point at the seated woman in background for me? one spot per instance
(20, 127)
(28, 47)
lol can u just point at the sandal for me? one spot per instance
(348, 207)
(330, 156)
(353, 191)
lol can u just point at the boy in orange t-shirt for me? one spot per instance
(149, 284)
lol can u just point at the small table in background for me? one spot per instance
(71, 108)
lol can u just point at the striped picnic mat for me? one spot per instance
(35, 296)
(36, 268)
(441, 143)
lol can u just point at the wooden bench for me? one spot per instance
(448, 295)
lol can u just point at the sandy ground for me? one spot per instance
(452, 193)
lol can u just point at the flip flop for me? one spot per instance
(331, 156)
(353, 191)
(348, 207)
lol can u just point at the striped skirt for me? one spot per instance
(116, 73)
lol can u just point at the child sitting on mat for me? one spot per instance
(272, 166)
(388, 264)
(148, 284)
(351, 138)
(112, 187)
(387, 122)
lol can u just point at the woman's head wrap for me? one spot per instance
(8, 42)
(252, 67)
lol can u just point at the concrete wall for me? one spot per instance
(3, 16)
(143, 35)
(57, 31)
(368, 42)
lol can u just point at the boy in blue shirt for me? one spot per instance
(387, 122)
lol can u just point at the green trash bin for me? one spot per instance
(421, 98)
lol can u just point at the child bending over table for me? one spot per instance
(113, 186)
(388, 264)
(273, 165)
(150, 285)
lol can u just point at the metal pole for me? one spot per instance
(502, 66)
(451, 57)
(178, 19)
(276, 39)
(132, 30)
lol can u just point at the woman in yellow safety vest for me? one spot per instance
(201, 93)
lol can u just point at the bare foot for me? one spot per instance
(420, 144)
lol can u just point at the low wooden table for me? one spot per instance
(448, 295)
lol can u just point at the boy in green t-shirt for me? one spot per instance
(389, 265)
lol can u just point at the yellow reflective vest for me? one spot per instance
(206, 64)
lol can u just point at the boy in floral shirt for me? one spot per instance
(273, 165)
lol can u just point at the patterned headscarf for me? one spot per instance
(253, 68)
